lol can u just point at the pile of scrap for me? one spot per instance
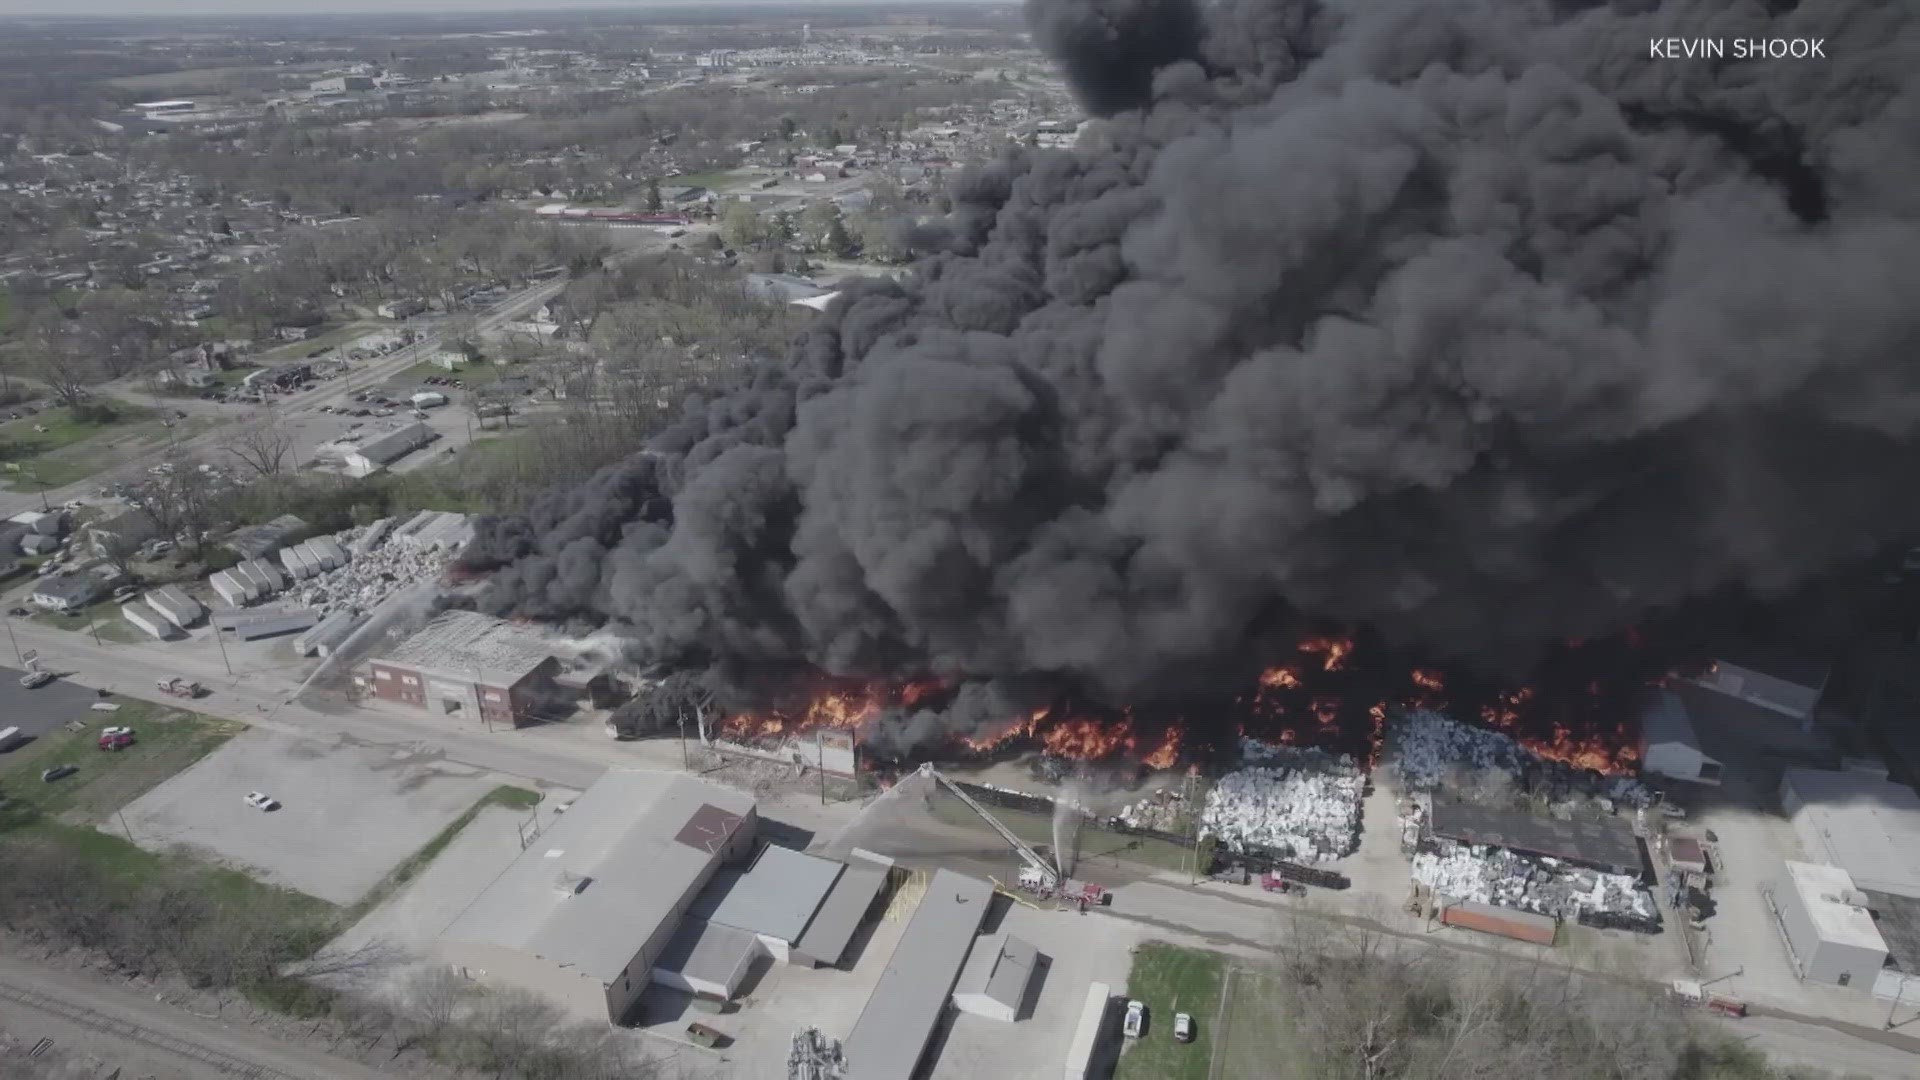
(1305, 805)
(1161, 811)
(814, 1056)
(385, 560)
(1429, 750)
(1545, 886)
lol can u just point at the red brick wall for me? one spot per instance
(395, 687)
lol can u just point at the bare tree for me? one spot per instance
(261, 443)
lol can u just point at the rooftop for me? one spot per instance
(623, 838)
(1665, 720)
(833, 926)
(1862, 823)
(469, 646)
(1898, 919)
(1828, 894)
(1000, 967)
(887, 1041)
(776, 896)
(1811, 674)
(1598, 841)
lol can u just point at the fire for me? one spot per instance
(1167, 753)
(1333, 651)
(1280, 678)
(846, 707)
(1086, 738)
(1429, 680)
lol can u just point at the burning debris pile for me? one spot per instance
(1426, 750)
(1456, 321)
(1542, 885)
(1305, 806)
(1161, 810)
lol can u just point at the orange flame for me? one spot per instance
(1167, 753)
(1280, 678)
(1333, 650)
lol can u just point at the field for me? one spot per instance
(712, 181)
(1170, 980)
(1248, 1046)
(72, 450)
(470, 375)
(1095, 844)
(169, 741)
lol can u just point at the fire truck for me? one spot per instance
(1041, 877)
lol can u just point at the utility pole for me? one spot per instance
(686, 760)
(17, 654)
(121, 814)
(220, 639)
(820, 745)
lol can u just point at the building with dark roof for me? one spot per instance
(585, 915)
(1603, 843)
(774, 899)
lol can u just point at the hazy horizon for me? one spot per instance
(82, 9)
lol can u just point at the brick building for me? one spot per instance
(471, 666)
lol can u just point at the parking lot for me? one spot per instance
(36, 712)
(349, 813)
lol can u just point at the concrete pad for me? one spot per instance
(349, 813)
(405, 926)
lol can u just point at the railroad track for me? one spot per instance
(95, 1020)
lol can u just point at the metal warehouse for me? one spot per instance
(1861, 822)
(891, 1035)
(466, 664)
(1828, 929)
(583, 915)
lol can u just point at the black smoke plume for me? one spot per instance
(1467, 322)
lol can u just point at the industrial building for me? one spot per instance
(383, 450)
(1603, 843)
(586, 912)
(1828, 929)
(1089, 1032)
(995, 981)
(1669, 746)
(891, 1035)
(264, 622)
(148, 621)
(175, 606)
(259, 541)
(1858, 821)
(471, 665)
(774, 899)
(1791, 688)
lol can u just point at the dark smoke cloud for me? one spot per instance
(1463, 320)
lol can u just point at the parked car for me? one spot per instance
(1136, 1022)
(19, 612)
(58, 772)
(116, 738)
(1183, 1027)
(34, 680)
(125, 591)
(261, 801)
(419, 414)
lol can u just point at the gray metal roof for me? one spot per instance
(467, 646)
(840, 914)
(707, 951)
(1665, 720)
(776, 896)
(893, 1029)
(999, 967)
(396, 444)
(620, 835)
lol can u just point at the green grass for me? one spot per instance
(717, 180)
(1248, 1039)
(1171, 980)
(169, 740)
(85, 449)
(1096, 844)
(505, 795)
(298, 350)
(19, 441)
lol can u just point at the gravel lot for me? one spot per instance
(349, 813)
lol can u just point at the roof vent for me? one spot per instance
(571, 884)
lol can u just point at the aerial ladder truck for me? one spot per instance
(1041, 876)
